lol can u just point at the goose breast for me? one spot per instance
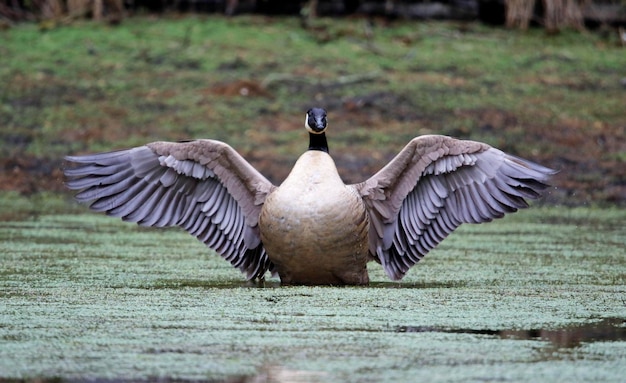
(314, 227)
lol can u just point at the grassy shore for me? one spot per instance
(249, 80)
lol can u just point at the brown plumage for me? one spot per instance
(312, 229)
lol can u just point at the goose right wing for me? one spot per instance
(203, 186)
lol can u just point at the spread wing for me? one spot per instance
(203, 186)
(435, 184)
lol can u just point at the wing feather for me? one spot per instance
(165, 212)
(85, 182)
(435, 184)
(203, 186)
(133, 201)
(113, 201)
(144, 209)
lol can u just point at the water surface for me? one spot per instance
(535, 297)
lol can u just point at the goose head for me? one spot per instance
(315, 121)
(316, 124)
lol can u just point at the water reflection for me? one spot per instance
(279, 374)
(266, 374)
(608, 329)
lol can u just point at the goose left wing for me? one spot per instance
(435, 184)
(203, 186)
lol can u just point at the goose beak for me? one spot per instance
(316, 120)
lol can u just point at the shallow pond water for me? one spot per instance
(538, 296)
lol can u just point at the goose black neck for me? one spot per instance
(318, 142)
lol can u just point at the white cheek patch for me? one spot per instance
(306, 123)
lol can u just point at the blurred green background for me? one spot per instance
(71, 85)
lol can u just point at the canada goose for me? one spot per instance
(312, 229)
